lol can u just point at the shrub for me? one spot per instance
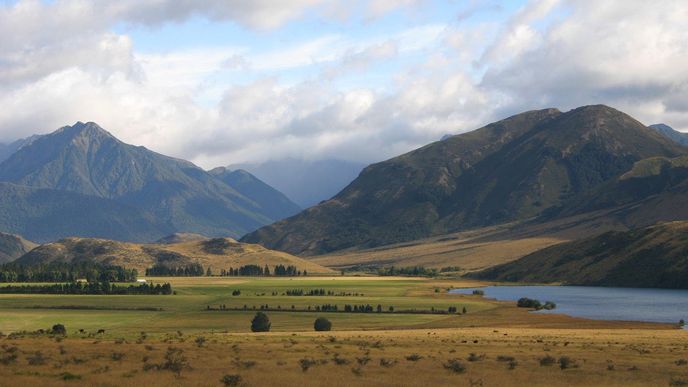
(306, 363)
(682, 323)
(547, 361)
(69, 376)
(474, 357)
(200, 340)
(231, 380)
(455, 365)
(414, 357)
(549, 305)
(526, 302)
(59, 329)
(478, 292)
(175, 361)
(505, 358)
(322, 324)
(260, 323)
(566, 362)
(36, 359)
(512, 364)
(681, 362)
(387, 362)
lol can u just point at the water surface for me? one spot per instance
(600, 303)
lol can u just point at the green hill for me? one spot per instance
(655, 256)
(519, 168)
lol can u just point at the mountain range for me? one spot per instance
(82, 181)
(533, 166)
(13, 247)
(306, 182)
(671, 133)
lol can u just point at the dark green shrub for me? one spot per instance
(547, 361)
(414, 357)
(260, 323)
(231, 380)
(59, 329)
(322, 324)
(455, 365)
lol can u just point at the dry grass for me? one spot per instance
(361, 358)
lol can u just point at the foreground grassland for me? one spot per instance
(174, 340)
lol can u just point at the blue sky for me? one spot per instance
(220, 82)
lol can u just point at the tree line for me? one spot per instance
(257, 271)
(65, 272)
(103, 288)
(191, 270)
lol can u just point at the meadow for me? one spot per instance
(176, 340)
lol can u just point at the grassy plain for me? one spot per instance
(366, 349)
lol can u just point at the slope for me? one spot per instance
(274, 203)
(655, 256)
(13, 247)
(671, 133)
(511, 170)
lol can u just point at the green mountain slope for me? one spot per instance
(13, 246)
(86, 159)
(514, 169)
(44, 214)
(274, 203)
(655, 256)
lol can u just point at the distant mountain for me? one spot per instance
(515, 169)
(274, 203)
(6, 150)
(305, 182)
(655, 256)
(13, 247)
(671, 133)
(85, 159)
(217, 254)
(44, 215)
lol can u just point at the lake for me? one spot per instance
(633, 304)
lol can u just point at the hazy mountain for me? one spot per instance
(217, 254)
(671, 133)
(514, 169)
(655, 256)
(43, 215)
(274, 203)
(6, 150)
(305, 182)
(180, 237)
(180, 196)
(13, 247)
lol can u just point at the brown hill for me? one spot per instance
(13, 247)
(217, 253)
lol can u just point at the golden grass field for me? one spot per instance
(184, 344)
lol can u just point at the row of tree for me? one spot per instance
(191, 270)
(104, 288)
(257, 271)
(65, 272)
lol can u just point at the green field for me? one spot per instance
(186, 311)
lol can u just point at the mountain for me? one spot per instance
(275, 204)
(6, 150)
(85, 159)
(655, 256)
(217, 254)
(46, 214)
(13, 247)
(512, 170)
(671, 133)
(305, 182)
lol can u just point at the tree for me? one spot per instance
(322, 324)
(208, 272)
(59, 329)
(260, 323)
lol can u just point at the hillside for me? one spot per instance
(87, 160)
(512, 170)
(273, 202)
(655, 256)
(13, 247)
(671, 133)
(179, 237)
(217, 253)
(44, 215)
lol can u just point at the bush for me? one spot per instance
(322, 324)
(260, 323)
(478, 292)
(231, 380)
(566, 362)
(59, 329)
(549, 305)
(474, 357)
(414, 357)
(547, 361)
(455, 365)
(526, 302)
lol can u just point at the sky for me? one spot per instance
(221, 82)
